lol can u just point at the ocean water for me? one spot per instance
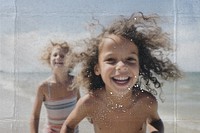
(181, 107)
(179, 111)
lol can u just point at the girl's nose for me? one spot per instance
(60, 57)
(121, 66)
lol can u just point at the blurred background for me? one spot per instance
(26, 27)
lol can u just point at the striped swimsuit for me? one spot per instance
(57, 112)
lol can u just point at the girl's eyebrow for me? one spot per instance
(108, 54)
(134, 53)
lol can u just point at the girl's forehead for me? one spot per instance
(117, 39)
(57, 49)
(114, 41)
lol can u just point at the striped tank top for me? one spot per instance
(57, 112)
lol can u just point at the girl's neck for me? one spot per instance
(61, 76)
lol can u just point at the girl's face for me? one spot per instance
(57, 57)
(118, 64)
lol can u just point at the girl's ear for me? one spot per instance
(96, 69)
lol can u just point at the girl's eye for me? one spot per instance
(62, 56)
(111, 61)
(55, 55)
(131, 60)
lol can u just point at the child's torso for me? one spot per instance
(116, 118)
(58, 106)
(119, 121)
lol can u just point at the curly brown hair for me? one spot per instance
(153, 45)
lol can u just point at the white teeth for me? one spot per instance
(121, 78)
(59, 63)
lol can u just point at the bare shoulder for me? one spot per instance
(42, 88)
(148, 104)
(86, 103)
(88, 99)
(43, 84)
(145, 97)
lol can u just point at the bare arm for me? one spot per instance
(158, 125)
(78, 95)
(78, 113)
(35, 116)
(155, 124)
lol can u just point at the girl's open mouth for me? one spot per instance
(121, 80)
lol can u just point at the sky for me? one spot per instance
(27, 26)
